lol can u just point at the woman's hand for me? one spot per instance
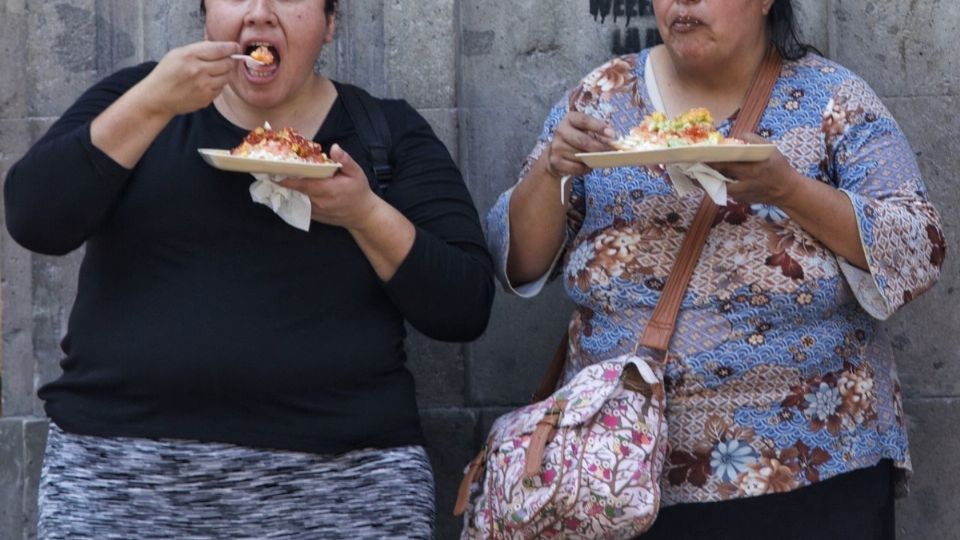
(187, 79)
(345, 199)
(772, 181)
(191, 77)
(577, 132)
(383, 234)
(820, 209)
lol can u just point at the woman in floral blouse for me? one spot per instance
(781, 380)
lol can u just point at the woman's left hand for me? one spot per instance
(345, 199)
(820, 209)
(771, 181)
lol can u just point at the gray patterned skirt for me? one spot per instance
(115, 487)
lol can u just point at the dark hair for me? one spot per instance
(785, 33)
(329, 7)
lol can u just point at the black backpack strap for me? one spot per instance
(371, 126)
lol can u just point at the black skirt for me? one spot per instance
(852, 506)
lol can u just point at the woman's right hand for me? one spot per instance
(538, 208)
(577, 132)
(190, 77)
(186, 80)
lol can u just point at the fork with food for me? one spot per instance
(260, 56)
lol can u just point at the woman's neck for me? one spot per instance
(304, 113)
(718, 86)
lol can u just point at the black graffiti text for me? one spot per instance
(620, 8)
(631, 42)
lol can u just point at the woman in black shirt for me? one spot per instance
(213, 350)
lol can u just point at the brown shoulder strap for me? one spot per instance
(554, 370)
(758, 96)
(663, 322)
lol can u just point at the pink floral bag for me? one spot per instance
(583, 463)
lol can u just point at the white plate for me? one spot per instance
(221, 159)
(679, 154)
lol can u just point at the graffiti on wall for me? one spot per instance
(627, 9)
(631, 38)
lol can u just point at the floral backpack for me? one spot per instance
(585, 462)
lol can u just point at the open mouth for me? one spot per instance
(264, 52)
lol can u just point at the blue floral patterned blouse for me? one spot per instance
(780, 375)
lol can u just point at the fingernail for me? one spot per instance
(609, 132)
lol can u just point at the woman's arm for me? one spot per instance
(820, 209)
(537, 217)
(871, 208)
(423, 238)
(827, 215)
(187, 79)
(444, 287)
(62, 190)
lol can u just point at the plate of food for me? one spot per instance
(281, 152)
(687, 138)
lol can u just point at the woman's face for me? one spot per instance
(711, 31)
(294, 30)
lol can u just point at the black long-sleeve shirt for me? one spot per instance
(202, 315)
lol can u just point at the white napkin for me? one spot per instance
(686, 177)
(292, 206)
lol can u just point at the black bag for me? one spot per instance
(371, 125)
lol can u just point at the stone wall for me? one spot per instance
(484, 73)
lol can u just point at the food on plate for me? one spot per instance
(280, 145)
(262, 54)
(656, 131)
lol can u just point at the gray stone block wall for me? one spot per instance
(484, 73)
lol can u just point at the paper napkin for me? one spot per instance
(687, 176)
(292, 206)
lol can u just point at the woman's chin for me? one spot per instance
(694, 52)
